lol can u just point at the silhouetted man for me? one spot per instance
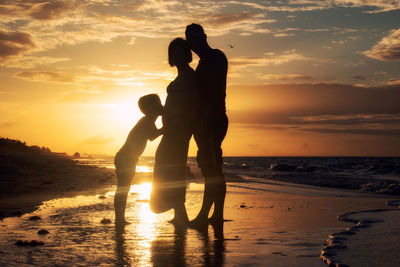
(212, 123)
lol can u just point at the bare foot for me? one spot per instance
(215, 220)
(199, 223)
(179, 222)
(122, 222)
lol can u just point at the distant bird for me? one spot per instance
(231, 45)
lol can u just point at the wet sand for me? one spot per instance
(34, 190)
(272, 224)
(373, 240)
(30, 175)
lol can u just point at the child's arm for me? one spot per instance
(155, 133)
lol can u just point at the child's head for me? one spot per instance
(150, 104)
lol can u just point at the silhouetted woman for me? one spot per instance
(169, 182)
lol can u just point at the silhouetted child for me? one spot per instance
(127, 157)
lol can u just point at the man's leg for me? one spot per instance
(203, 161)
(220, 128)
(201, 219)
(209, 159)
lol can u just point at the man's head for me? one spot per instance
(150, 105)
(196, 38)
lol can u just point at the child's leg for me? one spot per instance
(124, 182)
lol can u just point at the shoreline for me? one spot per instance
(273, 223)
(92, 180)
(336, 250)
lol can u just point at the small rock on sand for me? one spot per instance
(279, 253)
(105, 221)
(243, 206)
(34, 218)
(43, 232)
(102, 197)
(32, 243)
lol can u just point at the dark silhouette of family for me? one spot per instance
(195, 105)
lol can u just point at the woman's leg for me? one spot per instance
(180, 215)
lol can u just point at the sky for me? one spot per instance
(305, 78)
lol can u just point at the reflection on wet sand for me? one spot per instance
(269, 228)
(171, 251)
(173, 247)
(161, 244)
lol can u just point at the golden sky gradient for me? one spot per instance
(306, 78)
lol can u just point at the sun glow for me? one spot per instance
(144, 169)
(124, 112)
(143, 190)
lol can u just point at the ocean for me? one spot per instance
(373, 174)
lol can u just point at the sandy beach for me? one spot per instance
(271, 223)
(29, 179)
(58, 211)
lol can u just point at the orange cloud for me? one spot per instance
(388, 49)
(270, 58)
(14, 43)
(46, 76)
(51, 10)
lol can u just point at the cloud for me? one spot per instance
(286, 103)
(372, 6)
(323, 108)
(245, 22)
(30, 62)
(360, 124)
(282, 34)
(320, 108)
(127, 77)
(270, 58)
(286, 77)
(359, 77)
(51, 10)
(388, 49)
(392, 81)
(14, 43)
(45, 76)
(98, 140)
(229, 18)
(349, 119)
(75, 22)
(378, 5)
(385, 132)
(7, 124)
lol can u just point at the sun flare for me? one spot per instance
(144, 169)
(143, 190)
(124, 112)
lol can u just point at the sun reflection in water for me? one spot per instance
(143, 222)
